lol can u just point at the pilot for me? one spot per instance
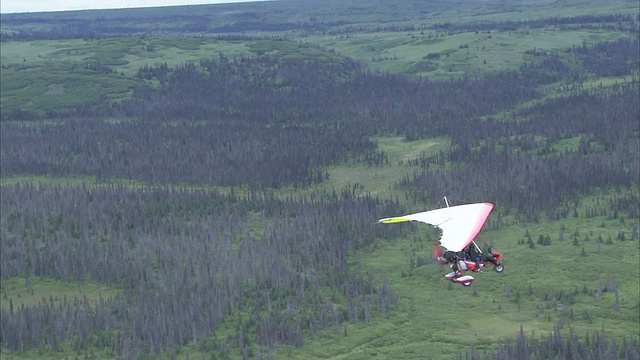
(472, 253)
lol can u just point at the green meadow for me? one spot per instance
(64, 73)
(424, 53)
(25, 292)
(60, 74)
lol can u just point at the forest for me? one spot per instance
(207, 207)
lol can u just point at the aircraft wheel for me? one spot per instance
(467, 284)
(499, 267)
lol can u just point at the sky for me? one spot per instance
(13, 6)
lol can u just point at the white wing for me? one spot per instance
(459, 224)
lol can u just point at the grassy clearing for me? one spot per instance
(377, 181)
(60, 181)
(441, 55)
(380, 181)
(21, 292)
(31, 69)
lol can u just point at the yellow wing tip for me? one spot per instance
(394, 220)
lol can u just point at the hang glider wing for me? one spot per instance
(459, 224)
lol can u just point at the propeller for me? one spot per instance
(437, 254)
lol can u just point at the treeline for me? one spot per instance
(618, 22)
(265, 90)
(519, 164)
(249, 121)
(557, 345)
(262, 122)
(183, 261)
(219, 153)
(613, 22)
(344, 20)
(611, 58)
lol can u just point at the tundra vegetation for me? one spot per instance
(204, 181)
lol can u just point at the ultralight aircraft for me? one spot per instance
(459, 225)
